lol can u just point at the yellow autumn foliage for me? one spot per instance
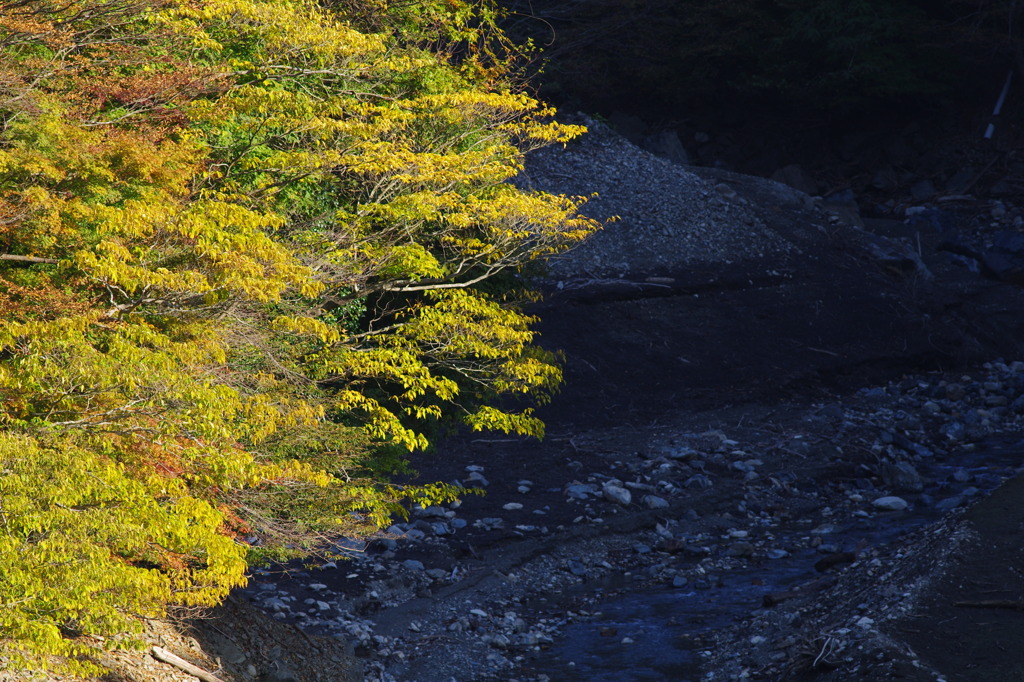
(248, 244)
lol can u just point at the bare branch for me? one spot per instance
(27, 259)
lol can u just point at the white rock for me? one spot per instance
(654, 502)
(617, 494)
(512, 506)
(891, 503)
(276, 604)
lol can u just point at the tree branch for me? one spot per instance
(166, 656)
(27, 259)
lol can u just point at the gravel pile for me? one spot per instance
(665, 217)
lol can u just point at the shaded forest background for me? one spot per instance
(805, 72)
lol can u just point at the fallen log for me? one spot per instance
(166, 656)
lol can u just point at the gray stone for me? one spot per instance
(902, 476)
(890, 503)
(617, 494)
(1005, 258)
(432, 512)
(955, 392)
(350, 546)
(667, 145)
(654, 502)
(580, 491)
(276, 604)
(576, 567)
(489, 523)
(698, 481)
(413, 565)
(949, 503)
(740, 550)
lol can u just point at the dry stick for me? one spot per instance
(27, 259)
(166, 656)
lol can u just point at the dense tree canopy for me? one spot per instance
(243, 243)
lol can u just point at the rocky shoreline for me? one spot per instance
(483, 590)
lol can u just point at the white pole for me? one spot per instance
(991, 129)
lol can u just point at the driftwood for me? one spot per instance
(27, 259)
(166, 656)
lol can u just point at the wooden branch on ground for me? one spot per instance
(27, 259)
(166, 656)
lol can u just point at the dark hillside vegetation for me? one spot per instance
(776, 68)
(817, 55)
